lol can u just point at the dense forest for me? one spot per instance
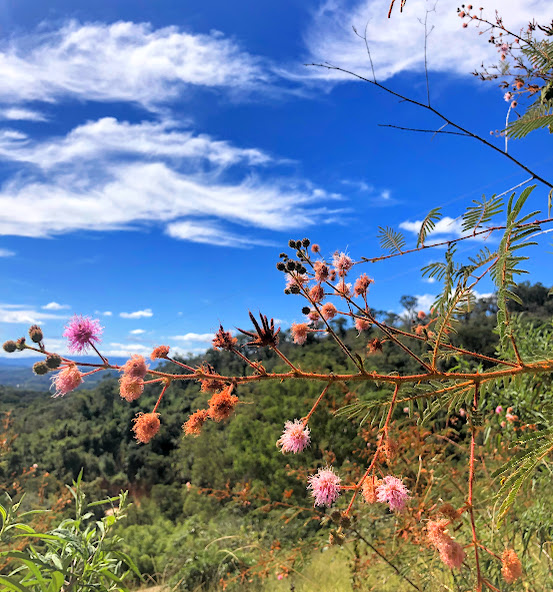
(231, 483)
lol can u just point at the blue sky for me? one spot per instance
(155, 157)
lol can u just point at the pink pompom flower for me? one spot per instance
(325, 487)
(392, 491)
(82, 332)
(295, 437)
(299, 332)
(66, 380)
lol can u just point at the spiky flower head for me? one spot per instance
(222, 404)
(82, 332)
(362, 324)
(369, 489)
(512, 567)
(195, 422)
(295, 437)
(136, 367)
(299, 332)
(224, 340)
(328, 311)
(392, 491)
(342, 264)
(130, 388)
(362, 284)
(66, 380)
(325, 487)
(316, 293)
(160, 352)
(146, 426)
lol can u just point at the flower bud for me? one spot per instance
(53, 361)
(20, 344)
(306, 242)
(35, 333)
(281, 266)
(40, 368)
(9, 346)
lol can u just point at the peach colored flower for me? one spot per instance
(195, 422)
(299, 332)
(67, 380)
(328, 311)
(512, 567)
(146, 426)
(130, 388)
(136, 367)
(222, 404)
(160, 352)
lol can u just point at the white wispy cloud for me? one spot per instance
(20, 313)
(109, 175)
(146, 193)
(137, 331)
(105, 313)
(126, 349)
(202, 337)
(21, 114)
(55, 306)
(106, 137)
(137, 314)
(6, 253)
(122, 61)
(397, 44)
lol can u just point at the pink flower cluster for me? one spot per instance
(66, 380)
(451, 552)
(392, 491)
(82, 332)
(325, 487)
(295, 437)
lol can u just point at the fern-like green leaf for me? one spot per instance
(428, 225)
(391, 239)
(481, 213)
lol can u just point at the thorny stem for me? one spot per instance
(254, 365)
(284, 358)
(471, 488)
(105, 360)
(336, 338)
(167, 383)
(438, 114)
(185, 366)
(375, 457)
(447, 243)
(316, 404)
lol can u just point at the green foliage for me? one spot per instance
(391, 239)
(79, 554)
(428, 225)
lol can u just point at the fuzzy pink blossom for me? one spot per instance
(136, 367)
(82, 332)
(362, 324)
(317, 293)
(392, 491)
(508, 96)
(452, 554)
(321, 271)
(362, 285)
(295, 437)
(499, 409)
(325, 487)
(342, 264)
(328, 311)
(66, 380)
(299, 332)
(343, 289)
